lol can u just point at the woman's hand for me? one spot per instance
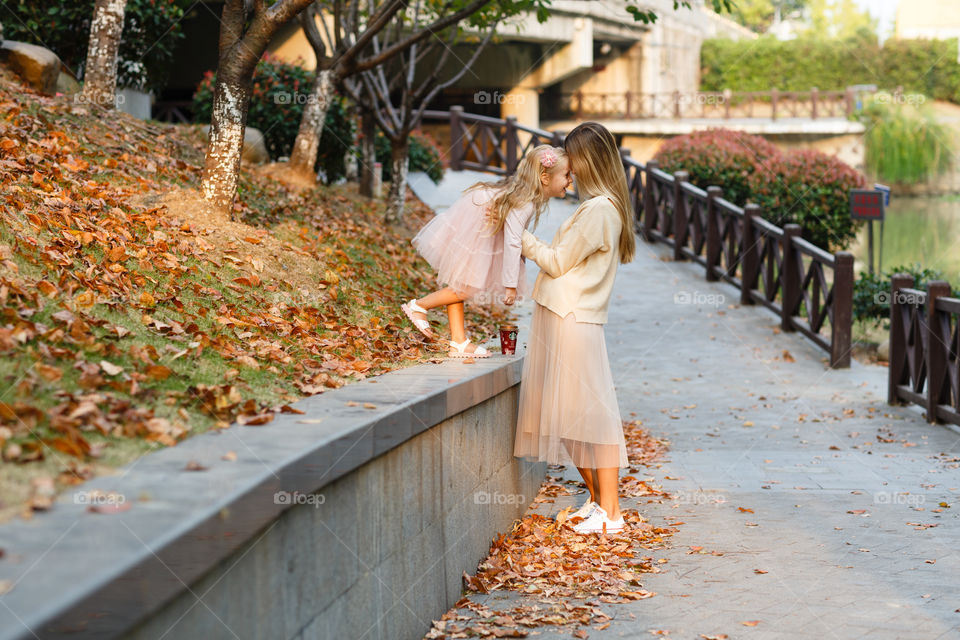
(510, 295)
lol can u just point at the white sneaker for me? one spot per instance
(585, 510)
(597, 521)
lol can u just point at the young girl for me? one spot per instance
(474, 246)
(568, 407)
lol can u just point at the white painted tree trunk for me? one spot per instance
(303, 158)
(221, 171)
(350, 160)
(100, 75)
(396, 199)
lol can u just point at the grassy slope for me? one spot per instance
(129, 321)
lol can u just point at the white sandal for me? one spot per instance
(409, 308)
(462, 352)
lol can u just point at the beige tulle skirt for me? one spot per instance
(568, 406)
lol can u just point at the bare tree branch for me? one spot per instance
(308, 22)
(439, 25)
(443, 85)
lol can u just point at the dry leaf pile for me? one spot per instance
(566, 576)
(125, 314)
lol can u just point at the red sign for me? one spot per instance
(866, 204)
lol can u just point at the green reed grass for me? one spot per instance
(905, 142)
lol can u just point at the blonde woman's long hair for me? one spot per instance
(522, 187)
(598, 169)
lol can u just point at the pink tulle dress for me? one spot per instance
(467, 257)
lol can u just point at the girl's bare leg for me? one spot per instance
(608, 484)
(454, 302)
(439, 298)
(455, 315)
(445, 296)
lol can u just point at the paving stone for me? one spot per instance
(810, 456)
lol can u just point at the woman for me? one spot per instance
(568, 406)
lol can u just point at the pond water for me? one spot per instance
(924, 230)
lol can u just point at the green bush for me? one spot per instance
(422, 150)
(276, 106)
(871, 292)
(151, 32)
(922, 66)
(904, 140)
(805, 187)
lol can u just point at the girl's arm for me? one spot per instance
(513, 227)
(583, 238)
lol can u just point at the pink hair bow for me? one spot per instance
(548, 158)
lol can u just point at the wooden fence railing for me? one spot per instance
(774, 104)
(924, 347)
(771, 266)
(810, 289)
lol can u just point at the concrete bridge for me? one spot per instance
(591, 59)
(586, 45)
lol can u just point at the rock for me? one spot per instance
(883, 351)
(67, 85)
(135, 102)
(254, 145)
(38, 66)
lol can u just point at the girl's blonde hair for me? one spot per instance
(523, 186)
(598, 169)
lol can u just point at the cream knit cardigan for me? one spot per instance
(579, 267)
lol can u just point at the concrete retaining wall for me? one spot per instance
(392, 505)
(385, 552)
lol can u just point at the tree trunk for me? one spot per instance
(239, 53)
(221, 170)
(397, 196)
(351, 169)
(100, 76)
(303, 158)
(368, 153)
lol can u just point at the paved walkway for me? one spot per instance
(757, 421)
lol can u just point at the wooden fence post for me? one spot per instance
(679, 214)
(749, 256)
(813, 103)
(841, 326)
(936, 361)
(578, 109)
(713, 233)
(510, 131)
(898, 345)
(634, 201)
(649, 202)
(789, 278)
(456, 138)
(774, 94)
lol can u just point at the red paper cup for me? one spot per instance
(508, 339)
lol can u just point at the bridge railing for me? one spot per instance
(774, 104)
(809, 288)
(924, 367)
